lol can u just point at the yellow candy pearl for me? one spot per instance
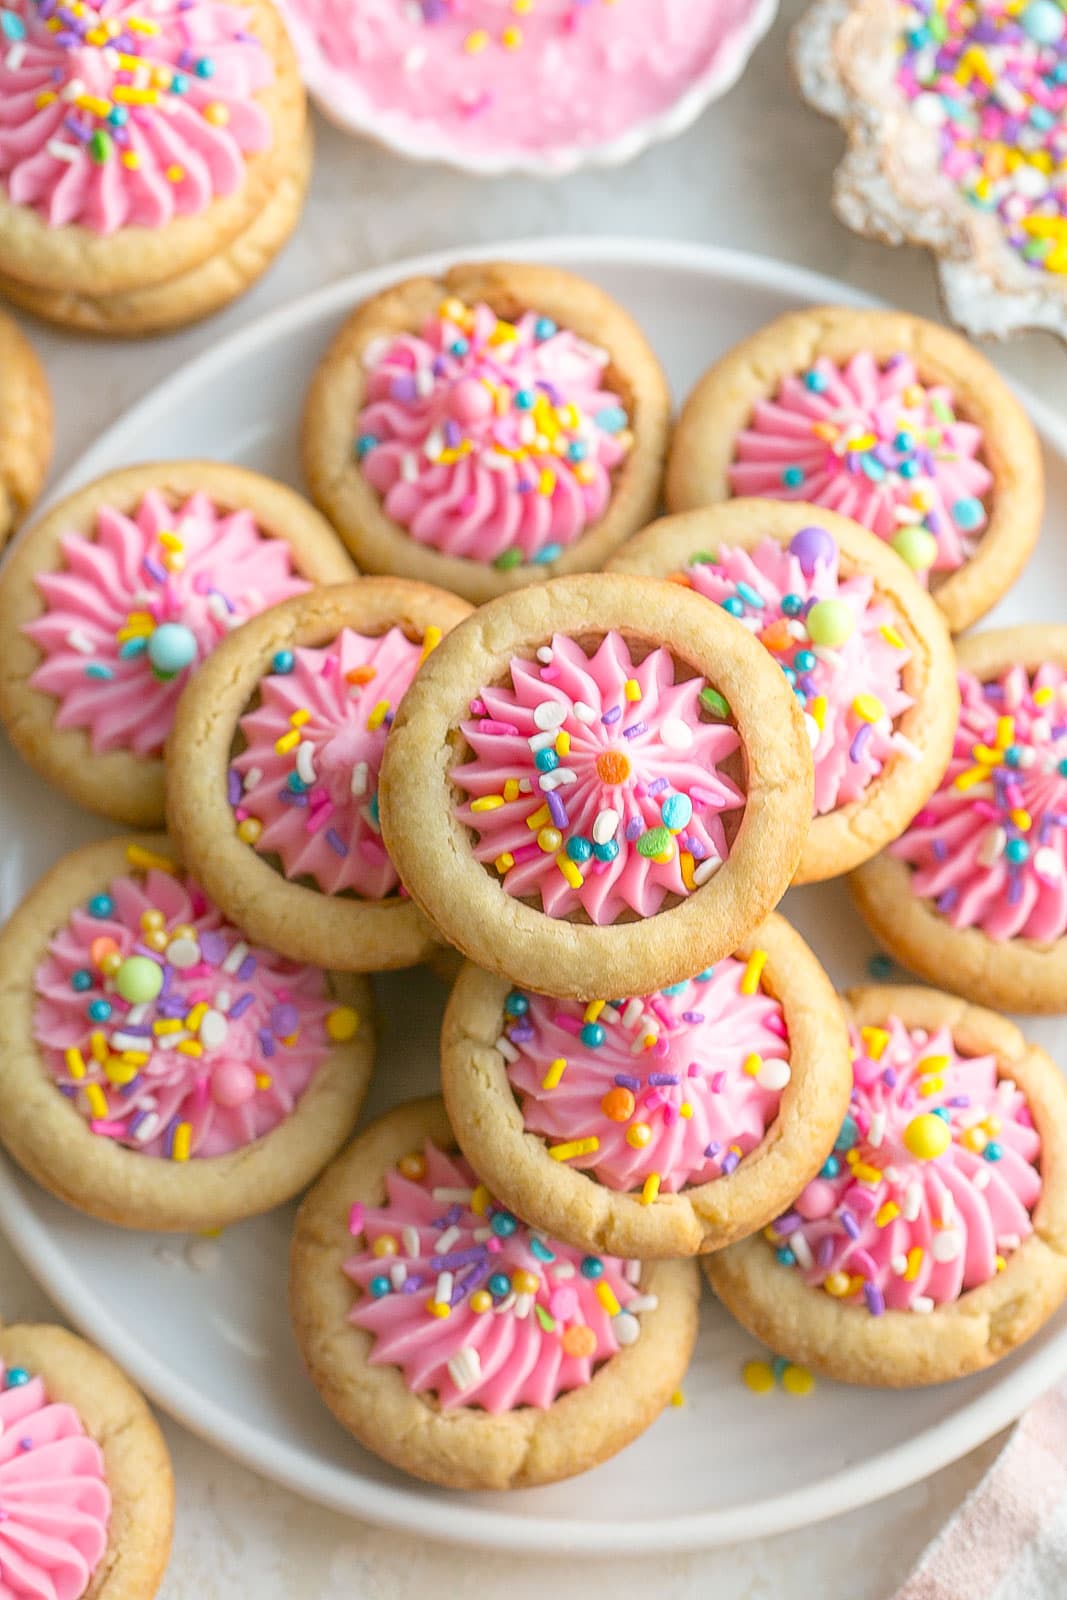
(480, 1301)
(385, 1245)
(524, 1282)
(927, 1136)
(341, 1024)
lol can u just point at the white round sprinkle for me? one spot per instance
(605, 826)
(213, 1030)
(773, 1075)
(1047, 862)
(946, 1245)
(927, 109)
(626, 1328)
(544, 655)
(183, 953)
(676, 735)
(549, 714)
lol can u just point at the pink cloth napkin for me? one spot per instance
(1008, 1541)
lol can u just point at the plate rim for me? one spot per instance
(399, 1506)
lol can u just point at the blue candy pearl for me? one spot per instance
(608, 851)
(792, 605)
(379, 1287)
(1062, 768)
(815, 381)
(499, 1285)
(909, 468)
(1017, 851)
(503, 1224)
(81, 980)
(804, 661)
(612, 419)
(734, 606)
(579, 849)
(943, 1112)
(880, 967)
(592, 1267)
(546, 761)
(118, 116)
(284, 661)
(993, 1151)
(705, 976)
(848, 1136)
(205, 67)
(544, 328)
(524, 400)
(295, 783)
(786, 1256)
(577, 451)
(830, 1167)
(968, 513)
(592, 1035)
(99, 1010)
(16, 1378)
(516, 1004)
(101, 905)
(459, 347)
(179, 83)
(365, 444)
(788, 674)
(1013, 756)
(171, 648)
(793, 477)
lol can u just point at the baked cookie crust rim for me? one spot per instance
(466, 1448)
(335, 398)
(901, 1349)
(50, 1139)
(25, 426)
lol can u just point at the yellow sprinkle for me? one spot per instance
(45, 98)
(677, 1398)
(98, 1046)
(865, 1173)
(75, 1062)
(1000, 1263)
(891, 636)
(866, 441)
(974, 1139)
(147, 860)
(758, 1376)
(511, 38)
(504, 333)
(887, 1214)
(797, 1381)
(915, 1261)
(1005, 732)
(175, 173)
(968, 779)
(688, 865)
(263, 1080)
(125, 94)
(606, 1295)
(119, 1072)
(986, 756)
(504, 863)
(538, 818)
(437, 1308)
(868, 708)
(563, 743)
(851, 1157)
(297, 719)
(287, 742)
(555, 1072)
(97, 1100)
(546, 483)
(650, 1189)
(488, 802)
(632, 689)
(430, 640)
(753, 971)
(875, 1041)
(190, 1047)
(511, 789)
(139, 25)
(818, 711)
(1022, 820)
(167, 1025)
(169, 540)
(93, 103)
(753, 1063)
(196, 1016)
(567, 867)
(377, 716)
(1043, 697)
(217, 114)
(480, 1200)
(574, 1147)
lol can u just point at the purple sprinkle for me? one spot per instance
(154, 569)
(634, 729)
(730, 1161)
(169, 1008)
(959, 1101)
(336, 843)
(240, 1006)
(692, 1016)
(449, 1220)
(26, 1444)
(634, 829)
(611, 716)
(624, 1081)
(412, 1283)
(288, 798)
(1015, 892)
(874, 1298)
(946, 901)
(825, 1253)
(940, 849)
(404, 387)
(663, 1080)
(458, 1258)
(246, 969)
(521, 1033)
(266, 1043)
(658, 786)
(213, 948)
(453, 434)
(68, 1089)
(712, 1150)
(889, 1078)
(860, 741)
(789, 1223)
(849, 1223)
(284, 1020)
(556, 809)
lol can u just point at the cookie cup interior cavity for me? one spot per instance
(721, 406)
(571, 1204)
(53, 1142)
(77, 259)
(1019, 974)
(431, 846)
(295, 918)
(117, 783)
(850, 834)
(466, 1448)
(339, 389)
(903, 1349)
(136, 1462)
(25, 426)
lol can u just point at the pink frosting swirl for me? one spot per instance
(54, 1500)
(168, 1032)
(675, 1088)
(114, 116)
(311, 780)
(473, 1306)
(875, 444)
(852, 692)
(595, 781)
(134, 608)
(988, 848)
(491, 440)
(932, 1182)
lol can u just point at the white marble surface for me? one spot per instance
(754, 173)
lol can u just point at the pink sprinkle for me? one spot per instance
(661, 1048)
(563, 1302)
(371, 850)
(318, 797)
(200, 1094)
(567, 1023)
(653, 1100)
(110, 1130)
(1025, 1118)
(862, 1201)
(693, 1071)
(494, 1245)
(660, 1009)
(717, 1082)
(199, 900)
(640, 790)
(355, 1218)
(669, 1114)
(701, 796)
(776, 1024)
(477, 708)
(503, 729)
(329, 667)
(319, 817)
(199, 997)
(526, 852)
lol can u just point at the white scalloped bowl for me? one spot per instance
(342, 103)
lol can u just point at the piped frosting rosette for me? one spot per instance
(458, 1342)
(978, 882)
(934, 1218)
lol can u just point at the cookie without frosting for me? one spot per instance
(934, 1241)
(25, 427)
(458, 1344)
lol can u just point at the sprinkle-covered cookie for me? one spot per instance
(954, 114)
(85, 1479)
(498, 427)
(975, 890)
(273, 771)
(116, 597)
(159, 1069)
(887, 419)
(462, 1345)
(657, 1126)
(25, 427)
(931, 1243)
(866, 654)
(599, 785)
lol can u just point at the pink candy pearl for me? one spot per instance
(563, 1303)
(470, 401)
(233, 1084)
(817, 1200)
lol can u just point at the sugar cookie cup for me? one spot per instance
(783, 413)
(974, 893)
(503, 424)
(710, 1135)
(726, 552)
(112, 963)
(668, 886)
(87, 690)
(25, 427)
(300, 864)
(927, 1286)
(517, 1427)
(101, 1521)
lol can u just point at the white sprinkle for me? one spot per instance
(15, 56)
(305, 762)
(446, 1240)
(801, 1250)
(465, 1368)
(561, 778)
(360, 779)
(482, 1234)
(450, 1197)
(605, 826)
(922, 1304)
(544, 654)
(59, 150)
(876, 1131)
(218, 609)
(171, 1041)
(523, 1306)
(525, 786)
(1006, 1087)
(906, 746)
(992, 846)
(74, 88)
(890, 1174)
(775, 1075)
(213, 1029)
(632, 1012)
(542, 741)
(641, 1302)
(676, 735)
(1047, 863)
(650, 1031)
(946, 1245)
(409, 1238)
(899, 1265)
(948, 1209)
(146, 1129)
(507, 1049)
(583, 712)
(626, 1328)
(563, 1269)
(609, 1016)
(80, 641)
(375, 349)
(912, 1203)
(435, 444)
(706, 869)
(424, 382)
(235, 957)
(830, 658)
(443, 1289)
(136, 1014)
(550, 714)
(409, 467)
(927, 109)
(398, 1274)
(982, 1178)
(251, 778)
(414, 61)
(813, 730)
(1008, 1241)
(506, 1304)
(1040, 730)
(129, 1041)
(183, 953)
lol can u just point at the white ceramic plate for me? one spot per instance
(343, 103)
(203, 1327)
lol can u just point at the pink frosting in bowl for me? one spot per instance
(876, 444)
(115, 115)
(473, 1306)
(55, 1506)
(989, 848)
(932, 1183)
(851, 691)
(167, 1031)
(131, 611)
(671, 1090)
(490, 440)
(595, 783)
